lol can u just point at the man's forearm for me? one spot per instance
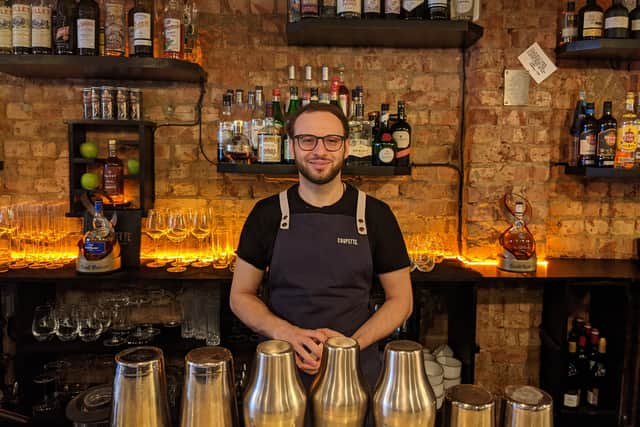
(389, 316)
(253, 312)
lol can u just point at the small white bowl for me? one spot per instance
(428, 357)
(439, 400)
(434, 371)
(452, 367)
(438, 389)
(450, 382)
(442, 350)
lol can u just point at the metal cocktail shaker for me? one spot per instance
(526, 406)
(274, 396)
(468, 405)
(140, 389)
(208, 397)
(338, 393)
(403, 396)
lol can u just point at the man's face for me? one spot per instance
(319, 165)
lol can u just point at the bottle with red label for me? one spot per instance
(401, 132)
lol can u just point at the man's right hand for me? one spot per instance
(307, 344)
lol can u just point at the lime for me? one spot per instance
(89, 150)
(133, 166)
(89, 181)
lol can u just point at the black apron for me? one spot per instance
(321, 275)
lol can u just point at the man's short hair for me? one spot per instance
(314, 107)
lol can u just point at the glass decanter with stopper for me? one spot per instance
(517, 245)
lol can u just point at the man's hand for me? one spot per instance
(330, 333)
(307, 344)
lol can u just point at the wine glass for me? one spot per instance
(66, 322)
(89, 325)
(43, 326)
(120, 321)
(177, 232)
(156, 227)
(201, 229)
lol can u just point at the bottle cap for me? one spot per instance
(307, 72)
(275, 92)
(292, 72)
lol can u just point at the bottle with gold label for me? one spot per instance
(627, 136)
(517, 244)
(607, 134)
(591, 20)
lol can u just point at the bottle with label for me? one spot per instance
(294, 11)
(597, 375)
(401, 131)
(64, 31)
(21, 27)
(579, 112)
(6, 47)
(588, 138)
(360, 149)
(87, 26)
(384, 146)
(412, 9)
(172, 30)
(607, 135)
(115, 30)
(269, 139)
(569, 25)
(592, 348)
(343, 92)
(571, 395)
(462, 10)
(392, 9)
(258, 117)
(591, 21)
(278, 117)
(143, 28)
(307, 83)
(627, 142)
(325, 85)
(616, 21)
(372, 9)
(113, 175)
(438, 9)
(288, 153)
(350, 9)
(41, 27)
(191, 50)
(225, 128)
(328, 9)
(309, 9)
(517, 244)
(131, 51)
(100, 249)
(634, 26)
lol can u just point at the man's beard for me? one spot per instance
(319, 180)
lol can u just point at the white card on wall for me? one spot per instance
(516, 87)
(537, 63)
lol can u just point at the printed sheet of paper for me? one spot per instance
(537, 63)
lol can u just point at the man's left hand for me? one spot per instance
(330, 332)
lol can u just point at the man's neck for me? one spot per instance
(321, 195)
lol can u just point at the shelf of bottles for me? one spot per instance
(593, 33)
(593, 172)
(278, 169)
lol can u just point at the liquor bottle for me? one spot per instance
(294, 11)
(64, 29)
(591, 21)
(360, 149)
(572, 391)
(518, 247)
(258, 118)
(384, 146)
(269, 139)
(349, 9)
(87, 26)
(325, 85)
(314, 98)
(401, 131)
(569, 26)
(225, 128)
(372, 9)
(438, 9)
(374, 119)
(627, 141)
(343, 92)
(131, 51)
(392, 9)
(190, 23)
(101, 27)
(239, 149)
(172, 30)
(328, 9)
(113, 175)
(278, 117)
(462, 10)
(413, 9)
(576, 330)
(100, 249)
(592, 347)
(143, 28)
(333, 92)
(115, 30)
(597, 375)
(607, 134)
(307, 82)
(586, 332)
(21, 27)
(6, 46)
(588, 138)
(578, 116)
(291, 72)
(616, 21)
(634, 17)
(309, 9)
(41, 27)
(288, 153)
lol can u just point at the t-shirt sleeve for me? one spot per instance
(389, 251)
(258, 235)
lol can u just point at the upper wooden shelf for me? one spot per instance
(101, 67)
(591, 172)
(278, 169)
(618, 49)
(383, 32)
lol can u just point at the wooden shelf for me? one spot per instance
(613, 173)
(384, 33)
(278, 169)
(114, 123)
(101, 67)
(618, 49)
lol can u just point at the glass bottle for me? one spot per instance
(462, 10)
(143, 28)
(372, 9)
(291, 71)
(597, 375)
(325, 85)
(627, 140)
(258, 117)
(518, 244)
(573, 151)
(21, 27)
(607, 133)
(115, 30)
(588, 138)
(401, 131)
(591, 21)
(349, 9)
(616, 21)
(343, 92)
(294, 14)
(41, 27)
(6, 47)
(360, 148)
(309, 9)
(384, 146)
(87, 26)
(278, 117)
(328, 9)
(113, 175)
(413, 9)
(131, 51)
(191, 49)
(569, 26)
(269, 139)
(288, 153)
(634, 17)
(392, 9)
(571, 394)
(172, 30)
(438, 9)
(307, 83)
(314, 98)
(225, 128)
(101, 27)
(65, 27)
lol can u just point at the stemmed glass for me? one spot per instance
(66, 322)
(201, 229)
(156, 227)
(89, 325)
(177, 233)
(43, 326)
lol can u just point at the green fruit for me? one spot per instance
(133, 166)
(89, 181)
(89, 150)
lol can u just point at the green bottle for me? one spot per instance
(288, 154)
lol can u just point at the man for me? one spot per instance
(322, 242)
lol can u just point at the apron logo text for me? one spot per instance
(343, 241)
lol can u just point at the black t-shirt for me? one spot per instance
(258, 237)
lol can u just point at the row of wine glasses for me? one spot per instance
(190, 237)
(425, 250)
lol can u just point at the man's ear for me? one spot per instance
(347, 147)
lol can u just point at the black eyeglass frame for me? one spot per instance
(317, 138)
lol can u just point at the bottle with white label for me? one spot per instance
(172, 30)
(87, 26)
(392, 9)
(616, 21)
(21, 27)
(462, 10)
(350, 9)
(5, 28)
(413, 9)
(41, 27)
(401, 131)
(143, 28)
(372, 9)
(591, 21)
(438, 9)
(115, 30)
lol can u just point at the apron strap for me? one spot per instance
(361, 224)
(284, 210)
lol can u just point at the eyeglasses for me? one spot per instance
(309, 142)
